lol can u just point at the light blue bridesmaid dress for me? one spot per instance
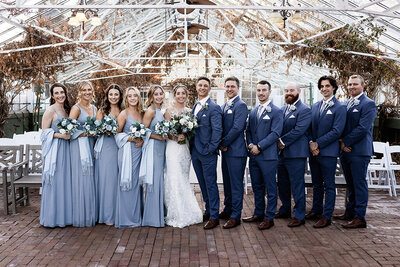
(83, 185)
(153, 214)
(56, 202)
(129, 203)
(106, 180)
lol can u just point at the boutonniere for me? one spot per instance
(268, 109)
(204, 107)
(356, 102)
(292, 108)
(231, 105)
(330, 103)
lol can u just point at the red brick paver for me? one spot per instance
(24, 242)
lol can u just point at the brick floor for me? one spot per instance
(24, 242)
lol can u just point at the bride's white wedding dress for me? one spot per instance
(180, 201)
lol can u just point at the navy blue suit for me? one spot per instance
(292, 160)
(204, 150)
(234, 159)
(326, 129)
(264, 131)
(358, 135)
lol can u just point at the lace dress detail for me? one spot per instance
(180, 201)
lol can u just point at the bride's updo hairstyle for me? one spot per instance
(139, 105)
(150, 94)
(176, 87)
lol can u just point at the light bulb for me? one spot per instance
(95, 21)
(73, 21)
(80, 15)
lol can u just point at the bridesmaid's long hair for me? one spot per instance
(150, 94)
(139, 106)
(107, 105)
(67, 106)
(80, 87)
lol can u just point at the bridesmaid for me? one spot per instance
(153, 214)
(106, 154)
(83, 187)
(129, 192)
(56, 202)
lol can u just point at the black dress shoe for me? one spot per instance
(231, 223)
(296, 222)
(253, 218)
(323, 222)
(212, 223)
(312, 216)
(355, 223)
(206, 217)
(279, 215)
(266, 224)
(344, 217)
(224, 216)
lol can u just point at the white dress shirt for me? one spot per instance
(200, 105)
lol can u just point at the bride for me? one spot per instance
(180, 202)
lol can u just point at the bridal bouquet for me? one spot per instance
(183, 124)
(107, 125)
(90, 128)
(138, 130)
(163, 127)
(67, 126)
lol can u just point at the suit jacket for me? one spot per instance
(208, 135)
(234, 125)
(357, 132)
(327, 128)
(265, 131)
(295, 131)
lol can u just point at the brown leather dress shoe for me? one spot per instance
(296, 222)
(206, 217)
(224, 216)
(312, 216)
(232, 222)
(212, 223)
(281, 215)
(344, 217)
(323, 222)
(266, 224)
(355, 223)
(253, 218)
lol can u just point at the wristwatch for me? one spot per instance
(259, 148)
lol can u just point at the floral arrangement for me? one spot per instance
(108, 125)
(138, 130)
(163, 127)
(67, 126)
(183, 124)
(90, 128)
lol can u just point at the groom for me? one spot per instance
(205, 150)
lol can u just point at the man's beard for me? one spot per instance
(291, 99)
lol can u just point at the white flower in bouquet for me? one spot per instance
(138, 130)
(163, 127)
(62, 131)
(67, 126)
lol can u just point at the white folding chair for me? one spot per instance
(247, 180)
(393, 165)
(378, 173)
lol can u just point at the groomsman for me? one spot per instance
(204, 148)
(356, 146)
(234, 153)
(328, 120)
(293, 156)
(263, 130)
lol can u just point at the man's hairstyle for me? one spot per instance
(204, 78)
(265, 82)
(357, 76)
(331, 80)
(232, 78)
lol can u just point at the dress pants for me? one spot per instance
(232, 174)
(323, 171)
(291, 181)
(355, 172)
(205, 167)
(263, 179)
